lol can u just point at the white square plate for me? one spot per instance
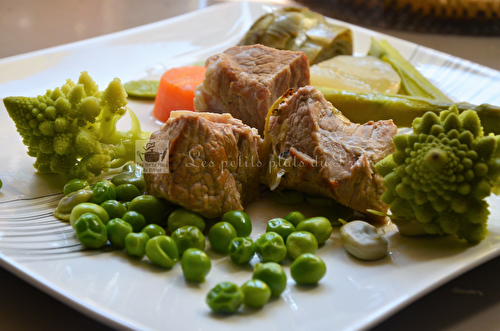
(123, 292)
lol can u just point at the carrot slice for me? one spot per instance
(176, 90)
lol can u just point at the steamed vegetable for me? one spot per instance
(439, 175)
(358, 73)
(361, 107)
(71, 130)
(142, 89)
(176, 90)
(412, 81)
(363, 241)
(299, 29)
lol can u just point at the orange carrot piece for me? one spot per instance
(176, 90)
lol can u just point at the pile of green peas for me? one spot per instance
(293, 235)
(119, 213)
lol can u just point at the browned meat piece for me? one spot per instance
(212, 165)
(245, 81)
(315, 149)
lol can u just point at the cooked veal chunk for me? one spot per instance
(315, 149)
(212, 163)
(246, 80)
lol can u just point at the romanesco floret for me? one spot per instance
(440, 175)
(71, 130)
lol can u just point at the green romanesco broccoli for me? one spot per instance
(71, 130)
(440, 175)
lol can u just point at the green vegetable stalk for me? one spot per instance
(412, 82)
(439, 176)
(71, 130)
(361, 107)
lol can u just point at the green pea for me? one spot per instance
(74, 185)
(225, 297)
(182, 217)
(87, 207)
(307, 269)
(240, 220)
(117, 230)
(270, 247)
(153, 230)
(295, 217)
(241, 250)
(131, 174)
(281, 226)
(256, 292)
(90, 231)
(301, 242)
(114, 208)
(135, 243)
(273, 275)
(287, 197)
(319, 226)
(126, 204)
(220, 235)
(195, 265)
(126, 192)
(150, 207)
(188, 237)
(135, 219)
(101, 191)
(162, 251)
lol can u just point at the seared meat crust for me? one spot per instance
(323, 153)
(213, 163)
(246, 80)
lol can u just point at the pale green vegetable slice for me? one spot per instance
(144, 89)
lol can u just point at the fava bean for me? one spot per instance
(74, 185)
(70, 201)
(363, 240)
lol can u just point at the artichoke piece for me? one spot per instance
(299, 29)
